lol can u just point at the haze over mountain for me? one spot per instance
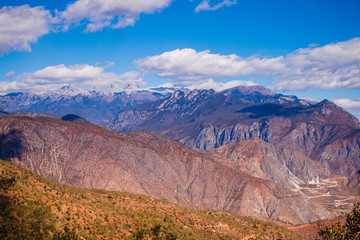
(97, 105)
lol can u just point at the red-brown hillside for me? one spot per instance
(88, 156)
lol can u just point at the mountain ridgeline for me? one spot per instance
(206, 119)
(97, 105)
(246, 150)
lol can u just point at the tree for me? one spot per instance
(6, 182)
(13, 224)
(349, 231)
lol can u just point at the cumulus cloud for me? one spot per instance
(113, 13)
(10, 74)
(22, 25)
(205, 5)
(335, 65)
(188, 65)
(82, 75)
(345, 77)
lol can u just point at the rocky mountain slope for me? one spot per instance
(354, 183)
(263, 160)
(97, 105)
(293, 170)
(205, 119)
(84, 155)
(35, 208)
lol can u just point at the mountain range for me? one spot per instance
(84, 155)
(97, 105)
(245, 150)
(206, 119)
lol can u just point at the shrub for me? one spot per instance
(349, 231)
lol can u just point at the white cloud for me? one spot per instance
(205, 5)
(219, 86)
(348, 103)
(188, 65)
(10, 74)
(78, 75)
(335, 65)
(22, 25)
(209, 84)
(105, 64)
(104, 13)
(345, 77)
(311, 99)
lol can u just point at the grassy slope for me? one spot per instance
(48, 207)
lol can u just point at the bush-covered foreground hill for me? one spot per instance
(32, 207)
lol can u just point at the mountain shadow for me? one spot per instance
(11, 145)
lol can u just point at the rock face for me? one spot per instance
(292, 170)
(263, 160)
(354, 183)
(98, 105)
(205, 119)
(84, 155)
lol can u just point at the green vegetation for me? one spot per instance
(349, 231)
(32, 207)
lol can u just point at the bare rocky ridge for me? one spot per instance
(354, 183)
(205, 119)
(85, 155)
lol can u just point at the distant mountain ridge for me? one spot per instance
(97, 105)
(206, 119)
(260, 94)
(259, 153)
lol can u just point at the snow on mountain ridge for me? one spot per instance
(97, 105)
(109, 90)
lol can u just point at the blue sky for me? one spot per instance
(308, 48)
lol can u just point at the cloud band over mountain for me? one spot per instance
(81, 75)
(336, 65)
